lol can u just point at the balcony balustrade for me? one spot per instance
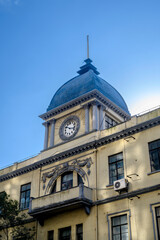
(49, 205)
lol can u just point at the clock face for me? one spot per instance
(69, 127)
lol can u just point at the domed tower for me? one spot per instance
(84, 104)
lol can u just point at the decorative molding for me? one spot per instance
(82, 148)
(82, 99)
(61, 130)
(74, 165)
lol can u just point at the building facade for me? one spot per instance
(98, 176)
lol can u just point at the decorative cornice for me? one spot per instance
(82, 99)
(82, 148)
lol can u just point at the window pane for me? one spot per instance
(154, 150)
(123, 219)
(120, 164)
(116, 221)
(23, 188)
(158, 220)
(113, 166)
(116, 230)
(124, 229)
(116, 237)
(67, 181)
(116, 170)
(120, 227)
(112, 159)
(112, 179)
(158, 211)
(65, 233)
(119, 156)
(79, 232)
(50, 235)
(125, 236)
(120, 171)
(28, 186)
(25, 196)
(120, 176)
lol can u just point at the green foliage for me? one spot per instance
(11, 217)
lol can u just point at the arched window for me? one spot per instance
(66, 180)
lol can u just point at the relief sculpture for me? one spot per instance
(75, 165)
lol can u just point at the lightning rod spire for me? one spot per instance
(87, 46)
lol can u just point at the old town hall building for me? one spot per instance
(98, 176)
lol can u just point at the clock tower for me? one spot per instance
(84, 104)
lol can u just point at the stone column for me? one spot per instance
(86, 107)
(46, 124)
(52, 133)
(94, 116)
(101, 118)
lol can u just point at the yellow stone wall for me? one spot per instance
(136, 161)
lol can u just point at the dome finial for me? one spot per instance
(87, 46)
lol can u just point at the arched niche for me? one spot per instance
(61, 172)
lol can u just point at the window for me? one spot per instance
(119, 228)
(50, 235)
(116, 170)
(158, 220)
(154, 152)
(67, 181)
(65, 233)
(25, 196)
(109, 122)
(79, 232)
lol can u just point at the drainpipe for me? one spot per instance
(96, 197)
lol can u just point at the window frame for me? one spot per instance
(153, 207)
(120, 225)
(81, 224)
(117, 214)
(150, 157)
(64, 174)
(110, 122)
(25, 195)
(52, 232)
(60, 229)
(109, 164)
(158, 229)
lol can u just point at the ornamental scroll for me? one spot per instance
(75, 165)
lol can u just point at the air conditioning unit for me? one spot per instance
(120, 184)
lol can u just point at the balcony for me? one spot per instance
(49, 205)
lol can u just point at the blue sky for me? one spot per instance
(43, 44)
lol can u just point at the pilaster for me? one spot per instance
(52, 132)
(46, 124)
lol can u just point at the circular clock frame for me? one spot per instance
(69, 121)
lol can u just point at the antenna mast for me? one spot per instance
(87, 46)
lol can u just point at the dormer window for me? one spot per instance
(66, 181)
